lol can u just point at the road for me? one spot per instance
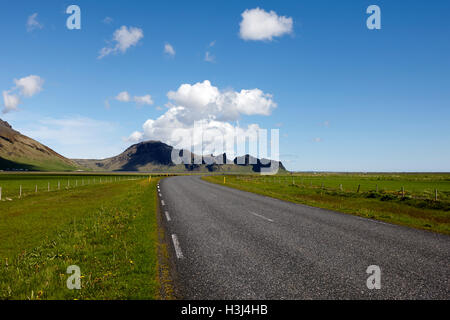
(230, 244)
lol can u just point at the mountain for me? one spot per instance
(19, 152)
(155, 156)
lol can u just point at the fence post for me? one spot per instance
(359, 187)
(403, 192)
(48, 186)
(435, 194)
(340, 187)
(35, 190)
(59, 185)
(20, 192)
(0, 193)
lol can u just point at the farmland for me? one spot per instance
(108, 229)
(416, 200)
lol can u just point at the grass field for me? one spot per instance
(405, 199)
(109, 230)
(11, 184)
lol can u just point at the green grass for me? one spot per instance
(109, 230)
(11, 182)
(415, 207)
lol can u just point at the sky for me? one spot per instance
(343, 97)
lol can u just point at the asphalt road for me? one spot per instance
(230, 244)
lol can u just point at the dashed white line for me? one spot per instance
(160, 195)
(260, 216)
(162, 202)
(176, 244)
(167, 216)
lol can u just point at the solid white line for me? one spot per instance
(262, 217)
(162, 202)
(176, 244)
(167, 216)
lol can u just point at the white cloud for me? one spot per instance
(212, 43)
(317, 139)
(11, 101)
(135, 137)
(209, 57)
(169, 49)
(147, 99)
(123, 96)
(208, 106)
(202, 100)
(124, 38)
(30, 85)
(27, 87)
(258, 24)
(32, 23)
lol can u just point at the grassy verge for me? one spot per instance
(407, 211)
(109, 231)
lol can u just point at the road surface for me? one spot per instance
(230, 244)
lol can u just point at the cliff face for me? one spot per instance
(155, 156)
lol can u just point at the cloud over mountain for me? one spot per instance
(211, 109)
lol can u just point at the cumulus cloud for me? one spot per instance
(27, 87)
(11, 101)
(203, 100)
(258, 24)
(32, 23)
(169, 49)
(30, 85)
(210, 108)
(123, 39)
(123, 96)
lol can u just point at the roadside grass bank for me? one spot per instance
(108, 230)
(408, 208)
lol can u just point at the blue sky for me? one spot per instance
(347, 98)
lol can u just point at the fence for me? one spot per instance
(352, 187)
(26, 188)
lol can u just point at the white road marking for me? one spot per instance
(167, 216)
(162, 202)
(176, 244)
(262, 217)
(160, 195)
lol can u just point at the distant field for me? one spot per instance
(109, 230)
(406, 199)
(11, 183)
